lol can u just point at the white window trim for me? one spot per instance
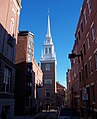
(47, 67)
(48, 81)
(85, 16)
(7, 78)
(89, 6)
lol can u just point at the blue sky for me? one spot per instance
(64, 15)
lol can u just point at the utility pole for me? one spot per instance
(85, 96)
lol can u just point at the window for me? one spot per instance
(11, 40)
(37, 72)
(81, 55)
(7, 79)
(48, 93)
(96, 60)
(77, 40)
(29, 70)
(29, 58)
(79, 35)
(80, 76)
(85, 16)
(86, 71)
(93, 93)
(81, 95)
(88, 92)
(47, 66)
(12, 25)
(84, 49)
(82, 27)
(88, 42)
(89, 6)
(47, 81)
(91, 68)
(46, 51)
(48, 41)
(93, 32)
(29, 44)
(50, 50)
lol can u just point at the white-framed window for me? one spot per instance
(89, 6)
(47, 67)
(12, 25)
(29, 46)
(7, 79)
(88, 42)
(93, 32)
(48, 81)
(85, 16)
(29, 58)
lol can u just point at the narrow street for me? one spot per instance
(47, 115)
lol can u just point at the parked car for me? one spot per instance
(67, 113)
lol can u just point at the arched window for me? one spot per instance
(12, 25)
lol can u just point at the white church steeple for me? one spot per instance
(48, 51)
(48, 28)
(48, 35)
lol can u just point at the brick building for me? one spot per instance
(48, 66)
(37, 85)
(28, 75)
(60, 101)
(85, 67)
(24, 74)
(69, 79)
(9, 20)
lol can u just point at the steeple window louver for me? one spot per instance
(49, 50)
(46, 50)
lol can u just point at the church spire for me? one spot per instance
(48, 51)
(48, 28)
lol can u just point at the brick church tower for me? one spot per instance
(48, 66)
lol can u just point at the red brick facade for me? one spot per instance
(23, 86)
(28, 75)
(60, 102)
(48, 85)
(9, 20)
(84, 69)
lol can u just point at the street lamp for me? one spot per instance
(85, 96)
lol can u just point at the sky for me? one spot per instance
(64, 16)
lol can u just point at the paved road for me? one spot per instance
(47, 115)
